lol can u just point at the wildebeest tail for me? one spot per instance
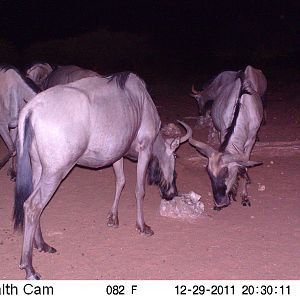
(24, 186)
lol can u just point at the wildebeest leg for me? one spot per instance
(113, 220)
(143, 160)
(244, 194)
(246, 179)
(11, 172)
(33, 208)
(213, 135)
(39, 242)
(12, 169)
(9, 144)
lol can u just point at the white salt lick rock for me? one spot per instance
(187, 207)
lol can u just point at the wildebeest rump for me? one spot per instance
(93, 122)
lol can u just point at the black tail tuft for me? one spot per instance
(24, 185)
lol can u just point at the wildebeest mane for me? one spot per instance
(27, 80)
(31, 84)
(229, 131)
(155, 175)
(120, 77)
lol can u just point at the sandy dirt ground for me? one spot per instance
(257, 242)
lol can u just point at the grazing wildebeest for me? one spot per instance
(46, 76)
(237, 114)
(38, 73)
(15, 91)
(93, 122)
(215, 87)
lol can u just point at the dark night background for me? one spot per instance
(171, 45)
(138, 35)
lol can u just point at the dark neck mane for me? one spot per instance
(230, 130)
(155, 175)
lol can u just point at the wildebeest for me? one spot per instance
(38, 73)
(93, 122)
(15, 91)
(216, 86)
(211, 90)
(237, 114)
(46, 76)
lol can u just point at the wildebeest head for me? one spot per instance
(161, 170)
(38, 73)
(223, 169)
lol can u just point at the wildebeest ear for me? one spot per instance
(249, 163)
(196, 97)
(203, 148)
(172, 144)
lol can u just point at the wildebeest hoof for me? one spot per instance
(47, 249)
(218, 208)
(30, 272)
(12, 174)
(246, 202)
(232, 197)
(113, 221)
(35, 276)
(44, 248)
(146, 230)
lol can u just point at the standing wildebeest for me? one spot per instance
(237, 114)
(217, 85)
(93, 122)
(45, 76)
(15, 91)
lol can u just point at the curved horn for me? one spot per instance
(203, 148)
(188, 134)
(194, 91)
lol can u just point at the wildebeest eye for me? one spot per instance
(174, 154)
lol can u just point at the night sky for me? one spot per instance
(183, 26)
